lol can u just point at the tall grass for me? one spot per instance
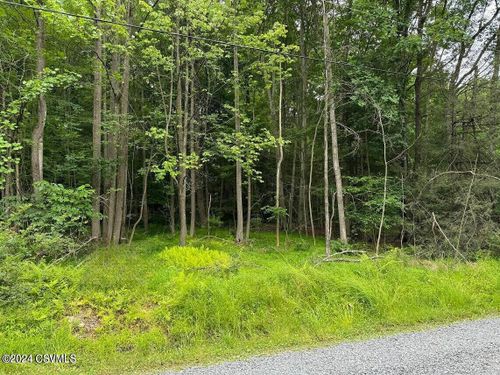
(155, 305)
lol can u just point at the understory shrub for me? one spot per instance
(365, 199)
(50, 224)
(53, 208)
(40, 290)
(36, 246)
(451, 216)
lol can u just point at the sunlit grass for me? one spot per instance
(150, 306)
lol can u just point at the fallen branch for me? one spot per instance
(446, 237)
(349, 252)
(74, 251)
(352, 260)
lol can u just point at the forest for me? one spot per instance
(268, 154)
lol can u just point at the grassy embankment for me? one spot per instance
(153, 305)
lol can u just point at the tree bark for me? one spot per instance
(384, 199)
(333, 125)
(96, 135)
(326, 193)
(192, 150)
(121, 178)
(38, 131)
(171, 208)
(200, 201)
(423, 8)
(111, 153)
(237, 128)
(143, 212)
(249, 208)
(309, 189)
(495, 85)
(291, 216)
(182, 140)
(280, 159)
(303, 127)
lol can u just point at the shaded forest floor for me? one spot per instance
(153, 305)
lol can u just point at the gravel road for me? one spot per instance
(471, 347)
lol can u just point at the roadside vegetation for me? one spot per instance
(164, 306)
(186, 181)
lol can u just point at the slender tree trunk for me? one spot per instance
(423, 9)
(309, 189)
(192, 150)
(418, 111)
(249, 208)
(121, 178)
(18, 181)
(7, 191)
(144, 201)
(280, 159)
(326, 193)
(333, 125)
(303, 127)
(96, 135)
(200, 201)
(171, 208)
(181, 114)
(111, 153)
(38, 131)
(237, 126)
(384, 199)
(495, 89)
(292, 189)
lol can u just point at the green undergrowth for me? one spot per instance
(154, 305)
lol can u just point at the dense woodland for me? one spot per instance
(348, 121)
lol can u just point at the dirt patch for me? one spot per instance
(85, 323)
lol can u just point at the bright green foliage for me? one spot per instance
(10, 116)
(51, 209)
(245, 147)
(47, 225)
(192, 258)
(36, 245)
(160, 307)
(274, 212)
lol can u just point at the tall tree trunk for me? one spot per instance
(326, 193)
(181, 124)
(237, 128)
(171, 208)
(7, 191)
(333, 125)
(291, 216)
(192, 150)
(96, 135)
(309, 188)
(423, 9)
(111, 152)
(418, 110)
(143, 211)
(249, 207)
(121, 178)
(495, 84)
(280, 159)
(200, 201)
(38, 131)
(303, 127)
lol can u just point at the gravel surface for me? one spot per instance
(471, 347)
